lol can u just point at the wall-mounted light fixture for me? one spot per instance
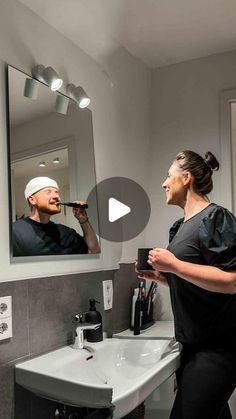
(62, 103)
(56, 160)
(31, 88)
(48, 76)
(78, 95)
(42, 164)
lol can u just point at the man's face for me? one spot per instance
(45, 200)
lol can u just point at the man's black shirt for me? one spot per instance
(31, 238)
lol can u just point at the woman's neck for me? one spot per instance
(193, 205)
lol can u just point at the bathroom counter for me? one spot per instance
(159, 330)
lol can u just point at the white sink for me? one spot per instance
(115, 373)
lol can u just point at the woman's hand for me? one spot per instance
(162, 260)
(150, 275)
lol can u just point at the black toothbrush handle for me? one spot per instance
(73, 204)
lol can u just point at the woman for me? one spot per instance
(199, 266)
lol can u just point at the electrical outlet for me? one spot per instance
(5, 318)
(107, 294)
(5, 307)
(6, 328)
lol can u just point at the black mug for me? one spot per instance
(142, 264)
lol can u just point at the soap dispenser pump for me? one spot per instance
(93, 316)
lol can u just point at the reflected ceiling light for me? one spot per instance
(62, 103)
(42, 164)
(56, 160)
(78, 94)
(48, 76)
(31, 88)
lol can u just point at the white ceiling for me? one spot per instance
(29, 167)
(158, 32)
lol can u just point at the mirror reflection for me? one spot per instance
(51, 163)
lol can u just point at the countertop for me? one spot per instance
(159, 330)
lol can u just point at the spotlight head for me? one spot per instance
(31, 88)
(81, 97)
(62, 103)
(78, 94)
(48, 76)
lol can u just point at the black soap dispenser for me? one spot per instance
(93, 316)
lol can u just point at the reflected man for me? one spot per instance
(36, 235)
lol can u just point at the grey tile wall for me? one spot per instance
(124, 284)
(43, 309)
(19, 346)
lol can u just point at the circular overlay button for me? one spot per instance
(123, 208)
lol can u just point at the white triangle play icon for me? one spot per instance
(116, 210)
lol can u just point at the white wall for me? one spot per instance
(233, 139)
(120, 106)
(185, 115)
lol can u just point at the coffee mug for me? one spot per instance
(142, 264)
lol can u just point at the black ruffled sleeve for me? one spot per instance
(217, 236)
(175, 227)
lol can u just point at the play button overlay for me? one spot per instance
(117, 210)
(123, 209)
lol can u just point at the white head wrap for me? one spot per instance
(38, 183)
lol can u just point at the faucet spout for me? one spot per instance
(79, 339)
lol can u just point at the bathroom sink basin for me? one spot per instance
(115, 373)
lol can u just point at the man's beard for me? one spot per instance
(50, 209)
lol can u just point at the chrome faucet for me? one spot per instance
(79, 338)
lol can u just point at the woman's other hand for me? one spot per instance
(162, 260)
(151, 275)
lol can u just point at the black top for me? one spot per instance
(31, 238)
(201, 316)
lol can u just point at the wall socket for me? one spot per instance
(107, 294)
(6, 328)
(5, 318)
(5, 307)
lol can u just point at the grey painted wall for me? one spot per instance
(185, 115)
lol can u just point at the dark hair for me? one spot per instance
(201, 169)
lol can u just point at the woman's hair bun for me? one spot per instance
(211, 161)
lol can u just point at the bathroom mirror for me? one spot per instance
(43, 141)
